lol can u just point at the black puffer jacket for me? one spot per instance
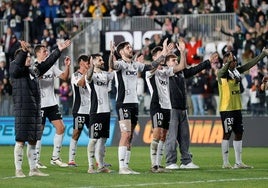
(26, 95)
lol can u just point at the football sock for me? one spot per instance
(91, 152)
(38, 150)
(31, 154)
(72, 150)
(99, 152)
(225, 151)
(153, 151)
(159, 153)
(57, 146)
(121, 155)
(18, 155)
(127, 158)
(238, 151)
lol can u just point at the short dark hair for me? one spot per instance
(95, 55)
(38, 47)
(120, 46)
(156, 49)
(82, 57)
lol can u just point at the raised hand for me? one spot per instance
(64, 44)
(112, 47)
(26, 47)
(67, 61)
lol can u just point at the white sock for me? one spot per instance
(38, 150)
(225, 151)
(159, 153)
(99, 152)
(91, 152)
(127, 158)
(238, 151)
(31, 154)
(153, 151)
(72, 150)
(121, 155)
(18, 156)
(57, 146)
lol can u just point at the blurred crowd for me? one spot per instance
(246, 40)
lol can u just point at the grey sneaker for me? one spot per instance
(37, 172)
(19, 174)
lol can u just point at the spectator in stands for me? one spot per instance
(146, 9)
(7, 9)
(177, 33)
(255, 97)
(52, 10)
(181, 7)
(248, 12)
(115, 13)
(84, 8)
(198, 86)
(238, 37)
(167, 26)
(22, 8)
(15, 22)
(64, 94)
(48, 39)
(157, 41)
(157, 8)
(192, 47)
(193, 7)
(2, 9)
(36, 21)
(97, 9)
(10, 45)
(6, 96)
(206, 7)
(129, 10)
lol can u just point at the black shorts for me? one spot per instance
(128, 111)
(161, 118)
(79, 120)
(232, 121)
(99, 125)
(51, 112)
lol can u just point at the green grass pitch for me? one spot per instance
(209, 175)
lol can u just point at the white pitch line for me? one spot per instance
(180, 182)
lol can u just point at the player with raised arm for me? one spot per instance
(158, 82)
(49, 103)
(81, 105)
(97, 80)
(127, 99)
(230, 107)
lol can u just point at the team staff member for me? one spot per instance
(230, 107)
(179, 133)
(27, 104)
(81, 105)
(49, 104)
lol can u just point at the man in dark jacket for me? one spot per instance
(27, 103)
(179, 125)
